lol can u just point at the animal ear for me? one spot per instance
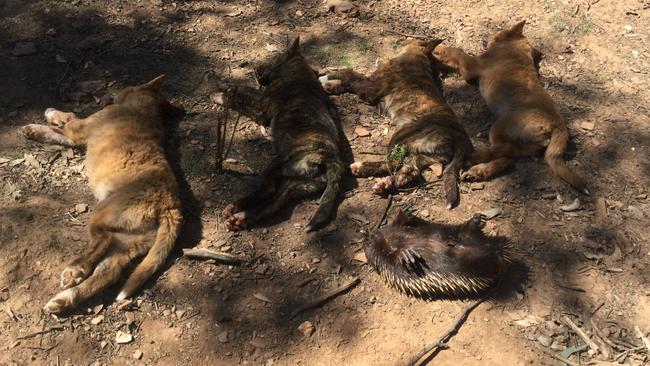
(518, 29)
(429, 46)
(294, 46)
(401, 219)
(154, 84)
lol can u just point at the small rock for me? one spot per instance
(589, 126)
(51, 32)
(306, 328)
(298, 13)
(96, 320)
(137, 354)
(636, 212)
(475, 186)
(30, 160)
(103, 344)
(123, 338)
(573, 206)
(80, 208)
(361, 257)
(24, 49)
(361, 132)
(628, 28)
(261, 297)
(231, 161)
(544, 340)
(557, 346)
(262, 269)
(223, 337)
(424, 213)
(130, 317)
(492, 213)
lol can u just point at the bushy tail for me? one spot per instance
(333, 172)
(450, 179)
(168, 229)
(554, 158)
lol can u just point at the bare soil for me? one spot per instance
(590, 267)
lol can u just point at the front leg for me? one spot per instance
(245, 100)
(64, 129)
(350, 81)
(457, 60)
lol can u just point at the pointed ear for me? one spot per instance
(517, 30)
(429, 46)
(155, 83)
(294, 46)
(401, 219)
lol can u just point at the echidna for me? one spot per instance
(435, 261)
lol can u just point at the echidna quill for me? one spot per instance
(435, 261)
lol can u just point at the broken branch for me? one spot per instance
(581, 334)
(442, 341)
(44, 331)
(208, 254)
(325, 297)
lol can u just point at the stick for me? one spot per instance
(407, 35)
(645, 340)
(557, 357)
(48, 349)
(31, 335)
(325, 297)
(208, 254)
(383, 216)
(581, 334)
(442, 341)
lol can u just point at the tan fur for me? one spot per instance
(139, 212)
(528, 122)
(409, 87)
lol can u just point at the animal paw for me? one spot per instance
(475, 173)
(384, 186)
(63, 301)
(478, 221)
(32, 131)
(331, 86)
(58, 118)
(72, 276)
(356, 167)
(237, 221)
(217, 98)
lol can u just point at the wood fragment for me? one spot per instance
(593, 346)
(44, 331)
(325, 297)
(571, 287)
(208, 254)
(383, 215)
(643, 338)
(407, 35)
(442, 340)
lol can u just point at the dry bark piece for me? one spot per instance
(601, 210)
(208, 254)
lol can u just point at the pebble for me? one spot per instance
(97, 320)
(306, 328)
(361, 132)
(80, 208)
(361, 257)
(544, 340)
(424, 213)
(492, 213)
(137, 354)
(636, 212)
(123, 338)
(223, 337)
(24, 49)
(589, 126)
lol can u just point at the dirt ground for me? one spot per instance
(589, 265)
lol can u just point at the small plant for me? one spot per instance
(393, 43)
(398, 155)
(345, 61)
(322, 54)
(53, 242)
(193, 166)
(365, 45)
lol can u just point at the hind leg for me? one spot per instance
(116, 214)
(407, 174)
(106, 273)
(290, 188)
(486, 171)
(350, 81)
(64, 129)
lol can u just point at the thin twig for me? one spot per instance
(442, 341)
(325, 297)
(383, 216)
(581, 334)
(208, 254)
(47, 349)
(557, 357)
(31, 335)
(407, 34)
(645, 340)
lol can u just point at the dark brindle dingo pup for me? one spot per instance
(139, 212)
(410, 89)
(306, 136)
(528, 123)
